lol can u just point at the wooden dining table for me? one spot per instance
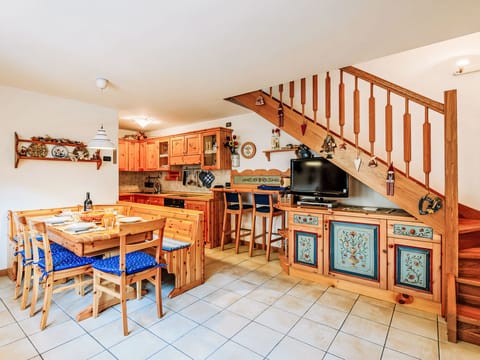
(97, 241)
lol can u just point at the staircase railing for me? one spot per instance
(410, 127)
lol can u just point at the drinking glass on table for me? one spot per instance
(109, 219)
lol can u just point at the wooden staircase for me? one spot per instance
(301, 117)
(468, 281)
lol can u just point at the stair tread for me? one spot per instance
(466, 226)
(468, 281)
(468, 314)
(469, 253)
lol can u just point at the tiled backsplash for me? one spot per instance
(130, 181)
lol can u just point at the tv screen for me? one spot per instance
(317, 177)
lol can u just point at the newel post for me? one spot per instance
(450, 237)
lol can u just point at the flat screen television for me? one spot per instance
(317, 177)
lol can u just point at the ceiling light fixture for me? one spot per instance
(101, 141)
(464, 67)
(101, 83)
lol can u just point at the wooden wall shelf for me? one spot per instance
(268, 152)
(48, 157)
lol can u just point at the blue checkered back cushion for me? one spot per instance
(66, 260)
(169, 244)
(134, 262)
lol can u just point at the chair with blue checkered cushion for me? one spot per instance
(233, 206)
(24, 254)
(54, 267)
(132, 265)
(263, 207)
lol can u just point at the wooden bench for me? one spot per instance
(184, 252)
(187, 263)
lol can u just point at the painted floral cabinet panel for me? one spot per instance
(414, 267)
(356, 249)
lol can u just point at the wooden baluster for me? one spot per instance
(388, 129)
(328, 100)
(371, 121)
(270, 93)
(427, 149)
(315, 96)
(280, 91)
(407, 138)
(356, 113)
(292, 93)
(341, 105)
(303, 94)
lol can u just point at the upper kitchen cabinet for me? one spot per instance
(131, 155)
(215, 156)
(185, 149)
(156, 157)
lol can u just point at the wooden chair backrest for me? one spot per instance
(140, 236)
(23, 236)
(40, 228)
(34, 213)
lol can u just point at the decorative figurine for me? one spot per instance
(281, 115)
(390, 180)
(329, 146)
(259, 101)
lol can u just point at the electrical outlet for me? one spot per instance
(107, 158)
(228, 124)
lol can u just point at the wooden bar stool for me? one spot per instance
(233, 206)
(263, 207)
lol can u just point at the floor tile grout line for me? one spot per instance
(20, 327)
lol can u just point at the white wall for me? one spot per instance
(44, 184)
(428, 71)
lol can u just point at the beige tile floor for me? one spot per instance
(247, 309)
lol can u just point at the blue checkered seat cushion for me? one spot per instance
(66, 260)
(136, 261)
(170, 244)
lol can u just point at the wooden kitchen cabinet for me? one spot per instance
(122, 155)
(185, 149)
(131, 155)
(156, 154)
(215, 156)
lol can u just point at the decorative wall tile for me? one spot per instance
(413, 230)
(306, 248)
(413, 267)
(305, 219)
(354, 249)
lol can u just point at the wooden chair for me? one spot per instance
(233, 206)
(263, 206)
(132, 265)
(23, 253)
(52, 267)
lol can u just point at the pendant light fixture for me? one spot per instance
(101, 140)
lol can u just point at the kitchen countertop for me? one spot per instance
(192, 196)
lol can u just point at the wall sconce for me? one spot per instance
(464, 67)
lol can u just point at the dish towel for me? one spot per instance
(207, 178)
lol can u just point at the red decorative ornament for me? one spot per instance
(303, 127)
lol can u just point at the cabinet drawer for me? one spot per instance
(412, 230)
(305, 219)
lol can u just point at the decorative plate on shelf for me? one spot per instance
(59, 151)
(248, 150)
(81, 153)
(37, 150)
